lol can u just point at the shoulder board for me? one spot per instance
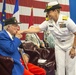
(64, 17)
(46, 18)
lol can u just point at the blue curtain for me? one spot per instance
(72, 4)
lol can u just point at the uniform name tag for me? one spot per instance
(50, 25)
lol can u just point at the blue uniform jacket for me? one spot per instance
(9, 47)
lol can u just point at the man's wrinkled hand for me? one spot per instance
(25, 58)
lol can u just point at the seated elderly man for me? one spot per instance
(9, 43)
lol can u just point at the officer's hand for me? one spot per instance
(21, 31)
(72, 53)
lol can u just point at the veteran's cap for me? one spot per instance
(51, 6)
(11, 20)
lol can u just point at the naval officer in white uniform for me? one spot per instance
(64, 31)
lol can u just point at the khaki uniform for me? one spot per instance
(62, 31)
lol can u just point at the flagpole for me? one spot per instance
(31, 18)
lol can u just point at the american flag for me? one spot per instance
(3, 17)
(38, 10)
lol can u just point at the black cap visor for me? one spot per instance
(52, 8)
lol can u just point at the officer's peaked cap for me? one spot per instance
(52, 6)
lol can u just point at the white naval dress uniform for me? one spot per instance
(62, 31)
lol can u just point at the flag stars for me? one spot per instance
(3, 15)
(3, 20)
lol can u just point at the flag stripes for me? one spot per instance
(38, 10)
(36, 4)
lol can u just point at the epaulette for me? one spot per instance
(46, 18)
(64, 17)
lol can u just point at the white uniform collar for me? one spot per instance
(59, 18)
(10, 35)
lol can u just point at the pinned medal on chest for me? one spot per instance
(62, 25)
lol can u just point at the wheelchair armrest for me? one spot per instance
(6, 65)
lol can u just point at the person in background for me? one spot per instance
(9, 43)
(64, 31)
(48, 37)
(34, 38)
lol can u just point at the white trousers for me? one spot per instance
(65, 65)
